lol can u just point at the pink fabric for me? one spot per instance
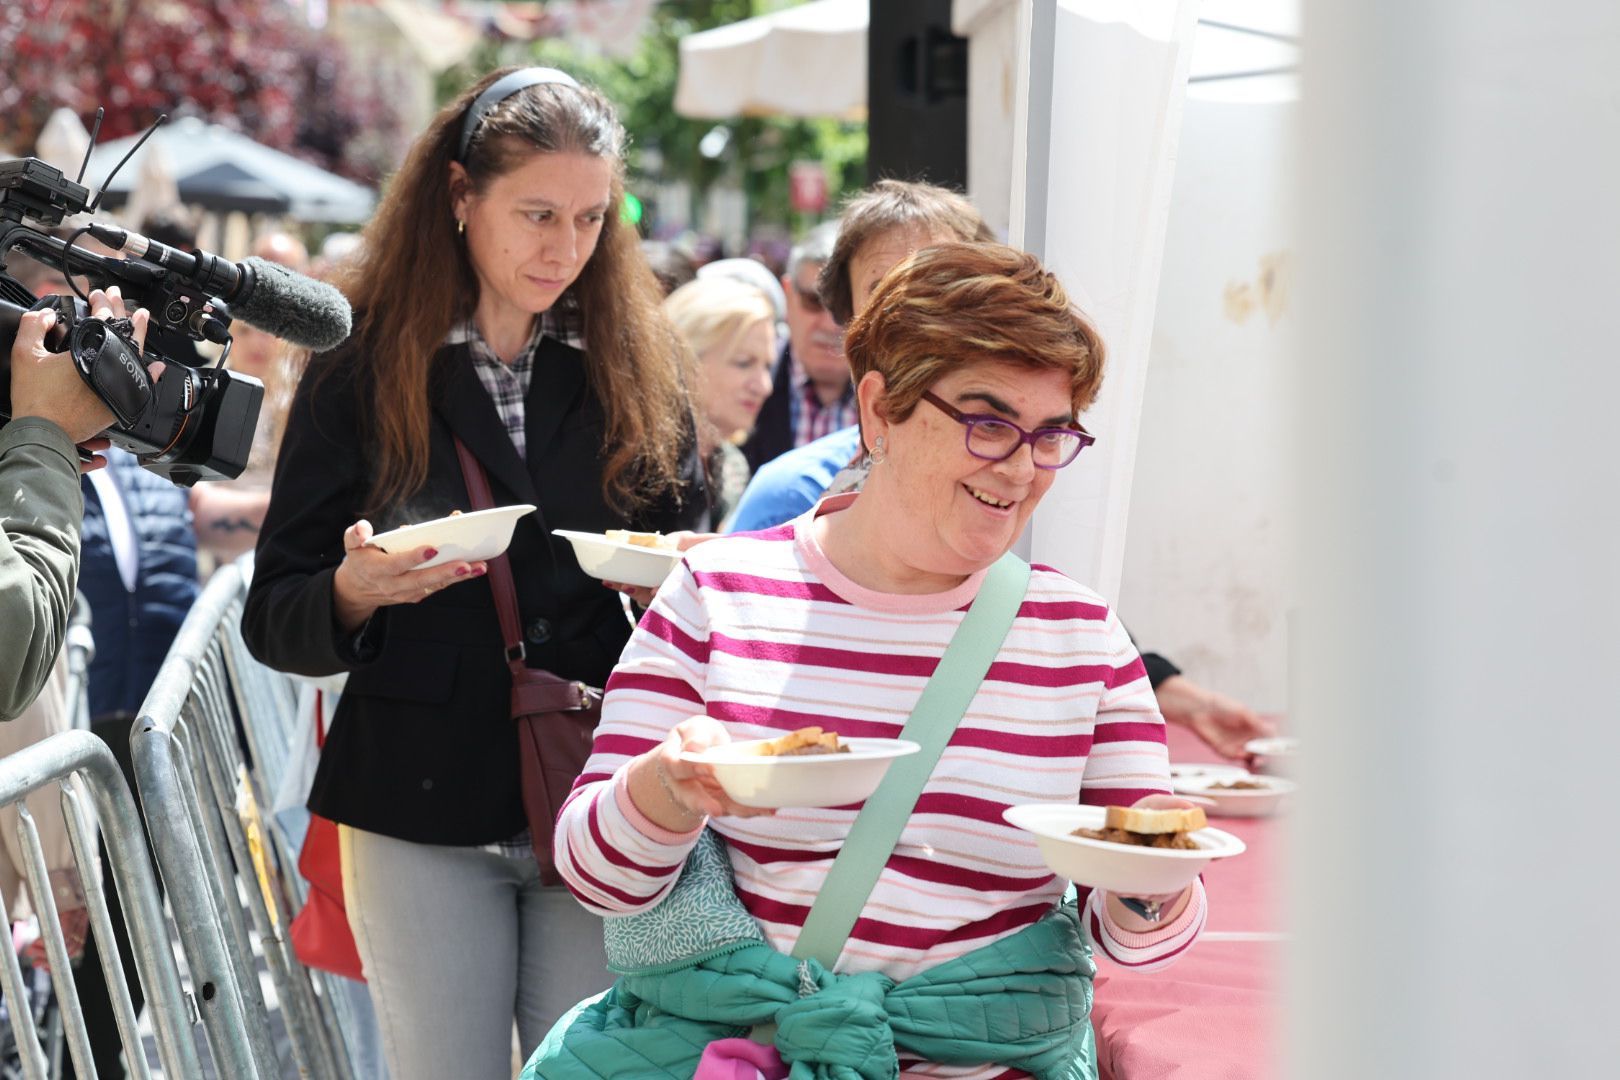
(1212, 1016)
(740, 1059)
(839, 583)
(627, 805)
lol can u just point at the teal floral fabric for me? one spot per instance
(700, 915)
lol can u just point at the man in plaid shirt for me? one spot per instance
(813, 395)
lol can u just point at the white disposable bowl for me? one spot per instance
(475, 535)
(1279, 753)
(1120, 868)
(619, 561)
(1204, 768)
(806, 780)
(1252, 802)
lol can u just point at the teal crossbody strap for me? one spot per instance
(943, 702)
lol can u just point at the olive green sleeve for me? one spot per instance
(41, 507)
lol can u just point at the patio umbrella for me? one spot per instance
(808, 60)
(223, 170)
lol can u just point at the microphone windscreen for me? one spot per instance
(293, 307)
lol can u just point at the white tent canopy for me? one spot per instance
(808, 60)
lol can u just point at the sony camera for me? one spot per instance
(193, 422)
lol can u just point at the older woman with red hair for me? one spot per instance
(964, 960)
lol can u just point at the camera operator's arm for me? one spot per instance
(41, 504)
(40, 509)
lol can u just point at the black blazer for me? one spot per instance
(422, 746)
(773, 431)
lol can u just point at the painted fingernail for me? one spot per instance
(481, 571)
(462, 571)
(429, 553)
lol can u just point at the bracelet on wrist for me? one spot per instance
(669, 793)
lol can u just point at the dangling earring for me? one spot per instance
(461, 226)
(880, 453)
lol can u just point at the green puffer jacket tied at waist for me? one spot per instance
(696, 969)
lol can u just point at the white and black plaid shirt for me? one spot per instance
(508, 385)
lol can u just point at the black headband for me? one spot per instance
(499, 91)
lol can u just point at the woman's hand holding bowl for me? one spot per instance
(641, 594)
(370, 578)
(1164, 907)
(676, 794)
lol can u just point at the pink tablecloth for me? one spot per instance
(1210, 1015)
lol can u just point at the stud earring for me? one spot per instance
(461, 227)
(880, 453)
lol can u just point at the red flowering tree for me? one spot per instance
(253, 65)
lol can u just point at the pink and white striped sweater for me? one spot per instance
(763, 633)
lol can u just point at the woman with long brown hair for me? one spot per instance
(499, 302)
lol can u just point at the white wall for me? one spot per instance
(1204, 537)
(1096, 214)
(1204, 577)
(995, 30)
(1454, 864)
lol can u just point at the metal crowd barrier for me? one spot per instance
(212, 741)
(89, 777)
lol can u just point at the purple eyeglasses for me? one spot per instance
(990, 438)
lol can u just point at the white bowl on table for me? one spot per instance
(804, 780)
(1204, 768)
(1277, 753)
(470, 537)
(1258, 801)
(619, 560)
(1103, 864)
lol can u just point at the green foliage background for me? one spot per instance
(643, 87)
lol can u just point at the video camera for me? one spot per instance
(192, 422)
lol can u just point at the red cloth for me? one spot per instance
(1211, 1015)
(320, 932)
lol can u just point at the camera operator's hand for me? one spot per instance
(110, 305)
(46, 384)
(370, 578)
(93, 447)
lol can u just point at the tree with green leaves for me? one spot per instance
(664, 145)
(252, 65)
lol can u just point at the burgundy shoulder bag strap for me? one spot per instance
(556, 717)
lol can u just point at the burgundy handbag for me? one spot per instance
(556, 718)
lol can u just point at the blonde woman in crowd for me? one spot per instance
(731, 326)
